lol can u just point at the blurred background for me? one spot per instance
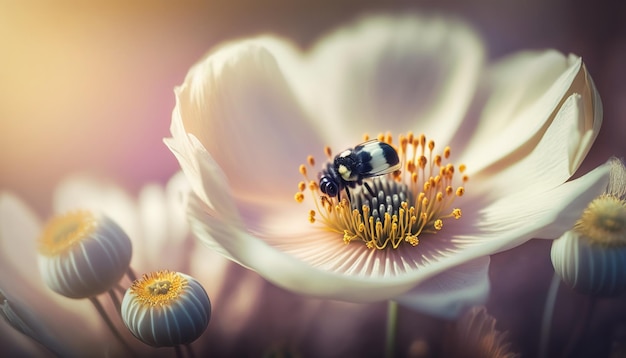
(88, 87)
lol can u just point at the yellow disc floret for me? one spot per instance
(63, 232)
(406, 203)
(158, 288)
(604, 221)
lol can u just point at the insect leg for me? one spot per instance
(369, 189)
(347, 193)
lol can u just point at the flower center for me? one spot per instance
(604, 221)
(393, 208)
(62, 232)
(158, 288)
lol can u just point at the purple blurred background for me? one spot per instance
(89, 87)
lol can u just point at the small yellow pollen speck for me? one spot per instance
(63, 232)
(158, 288)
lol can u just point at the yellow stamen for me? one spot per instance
(427, 182)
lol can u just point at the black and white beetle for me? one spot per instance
(350, 167)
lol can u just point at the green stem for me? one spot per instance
(548, 312)
(392, 320)
(110, 324)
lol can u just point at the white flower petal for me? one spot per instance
(452, 291)
(550, 162)
(393, 74)
(358, 284)
(19, 229)
(539, 214)
(239, 106)
(524, 94)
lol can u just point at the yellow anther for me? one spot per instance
(438, 224)
(439, 196)
(302, 169)
(328, 152)
(456, 213)
(412, 239)
(421, 162)
(299, 197)
(431, 145)
(446, 152)
(460, 191)
(462, 168)
(310, 160)
(301, 186)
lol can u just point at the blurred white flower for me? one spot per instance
(252, 111)
(155, 224)
(591, 258)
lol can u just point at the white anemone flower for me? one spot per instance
(508, 137)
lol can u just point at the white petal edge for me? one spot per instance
(505, 135)
(396, 73)
(549, 163)
(239, 106)
(448, 294)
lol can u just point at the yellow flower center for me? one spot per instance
(158, 288)
(63, 232)
(604, 221)
(406, 204)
